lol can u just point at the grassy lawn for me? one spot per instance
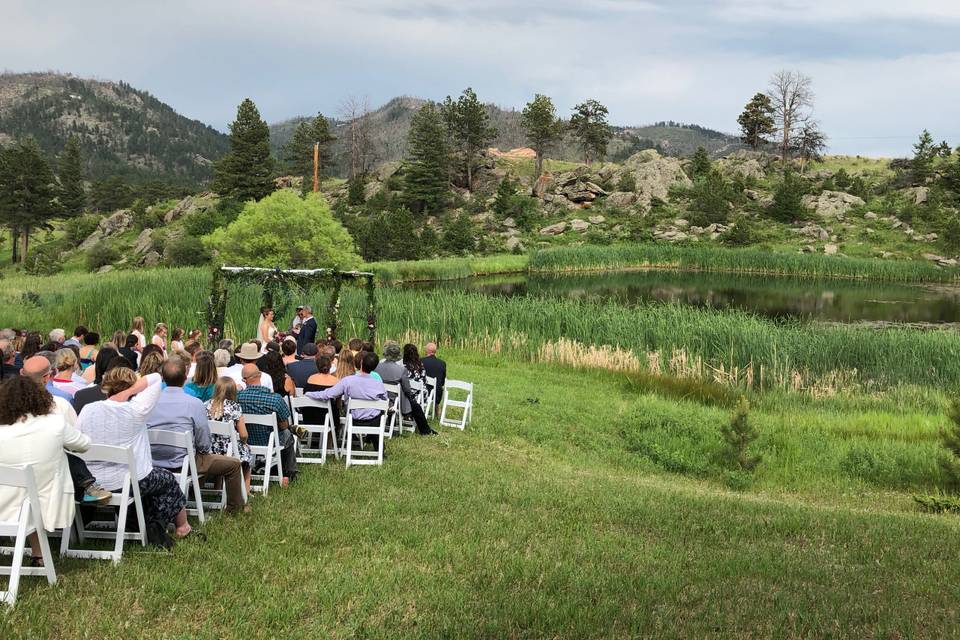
(547, 518)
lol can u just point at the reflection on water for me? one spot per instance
(824, 300)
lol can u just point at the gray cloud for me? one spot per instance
(883, 70)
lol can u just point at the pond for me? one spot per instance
(843, 301)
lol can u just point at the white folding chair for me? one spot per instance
(431, 400)
(187, 476)
(359, 456)
(393, 396)
(30, 520)
(269, 449)
(109, 529)
(407, 424)
(299, 392)
(308, 453)
(227, 430)
(466, 406)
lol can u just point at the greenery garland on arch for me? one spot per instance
(274, 283)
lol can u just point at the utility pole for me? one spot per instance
(316, 162)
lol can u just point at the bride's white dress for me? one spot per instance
(266, 331)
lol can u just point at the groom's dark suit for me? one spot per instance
(308, 333)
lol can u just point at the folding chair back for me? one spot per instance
(465, 406)
(323, 429)
(420, 390)
(431, 399)
(30, 520)
(114, 529)
(393, 395)
(226, 430)
(359, 456)
(188, 475)
(263, 438)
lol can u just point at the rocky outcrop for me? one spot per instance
(654, 175)
(832, 205)
(554, 229)
(112, 225)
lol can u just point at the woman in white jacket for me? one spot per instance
(34, 430)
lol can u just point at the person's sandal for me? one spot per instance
(36, 561)
(95, 494)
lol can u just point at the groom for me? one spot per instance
(308, 329)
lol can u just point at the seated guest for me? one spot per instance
(392, 372)
(107, 359)
(204, 377)
(357, 359)
(249, 353)
(177, 411)
(435, 368)
(222, 358)
(362, 386)
(40, 368)
(227, 345)
(223, 407)
(259, 400)
(150, 362)
(64, 371)
(302, 369)
(88, 352)
(320, 380)
(414, 367)
(355, 345)
(33, 433)
(31, 346)
(345, 364)
(57, 336)
(271, 364)
(77, 338)
(288, 348)
(121, 420)
(8, 368)
(129, 350)
(192, 349)
(176, 339)
(332, 350)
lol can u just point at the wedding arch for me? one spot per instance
(280, 286)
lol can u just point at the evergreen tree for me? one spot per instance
(298, 152)
(426, 183)
(756, 121)
(738, 435)
(246, 172)
(589, 125)
(73, 198)
(700, 163)
(459, 235)
(28, 194)
(710, 201)
(924, 152)
(469, 128)
(543, 128)
(787, 203)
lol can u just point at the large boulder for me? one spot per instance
(919, 195)
(554, 229)
(579, 225)
(198, 204)
(621, 199)
(654, 175)
(738, 167)
(832, 204)
(116, 223)
(580, 190)
(144, 241)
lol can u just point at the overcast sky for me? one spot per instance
(882, 69)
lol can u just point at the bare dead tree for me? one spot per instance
(356, 111)
(791, 95)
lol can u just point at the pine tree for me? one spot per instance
(28, 194)
(469, 128)
(426, 182)
(700, 163)
(246, 172)
(923, 154)
(298, 152)
(739, 434)
(787, 203)
(589, 126)
(756, 121)
(543, 128)
(73, 198)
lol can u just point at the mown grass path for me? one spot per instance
(533, 523)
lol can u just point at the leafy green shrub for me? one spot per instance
(285, 230)
(79, 229)
(597, 236)
(202, 223)
(355, 190)
(710, 199)
(146, 217)
(389, 235)
(937, 503)
(508, 203)
(627, 182)
(186, 251)
(44, 259)
(950, 232)
(101, 254)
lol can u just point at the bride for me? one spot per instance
(266, 330)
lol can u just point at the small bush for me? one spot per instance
(627, 182)
(739, 434)
(146, 217)
(787, 203)
(459, 235)
(186, 251)
(355, 190)
(79, 229)
(44, 259)
(742, 232)
(101, 254)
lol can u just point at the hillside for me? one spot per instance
(123, 131)
(389, 125)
